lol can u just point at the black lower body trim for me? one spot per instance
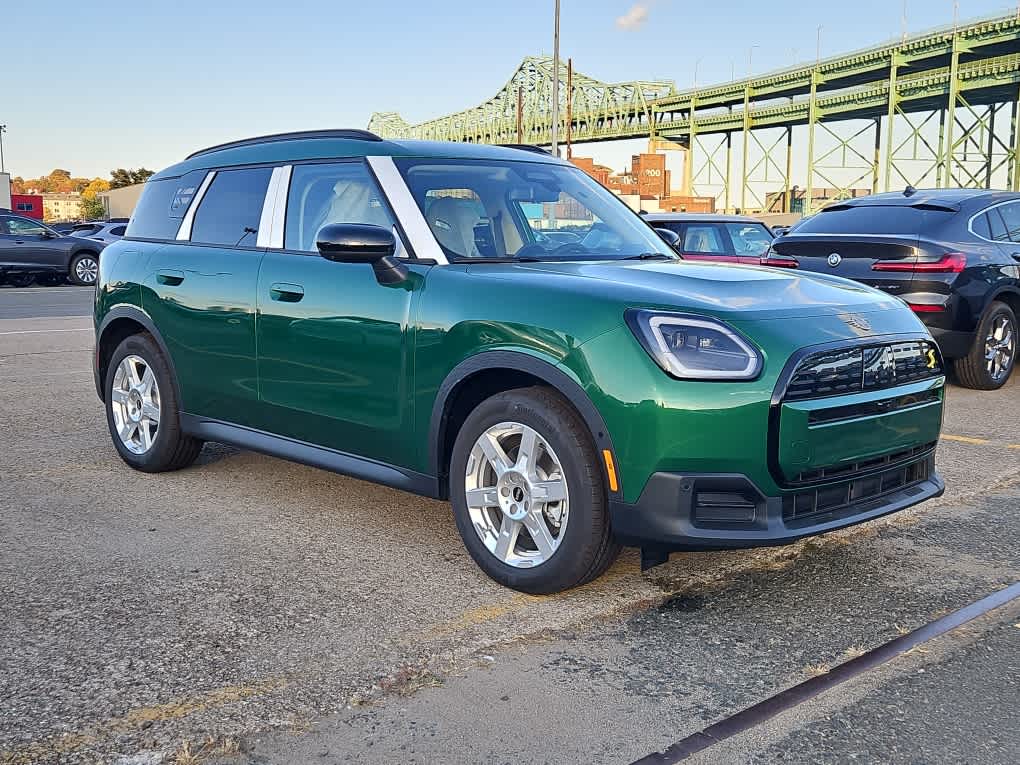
(699, 511)
(309, 454)
(954, 344)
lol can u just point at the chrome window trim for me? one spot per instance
(970, 221)
(184, 231)
(409, 215)
(274, 208)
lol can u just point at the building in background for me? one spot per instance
(61, 206)
(5, 191)
(120, 203)
(29, 205)
(645, 186)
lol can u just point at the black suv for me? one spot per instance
(952, 254)
(30, 250)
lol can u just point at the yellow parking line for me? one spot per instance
(1013, 446)
(966, 439)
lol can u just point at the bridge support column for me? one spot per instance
(1014, 139)
(890, 117)
(747, 141)
(878, 149)
(729, 164)
(809, 192)
(787, 202)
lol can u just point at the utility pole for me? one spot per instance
(556, 83)
(3, 129)
(570, 104)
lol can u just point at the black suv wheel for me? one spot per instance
(991, 359)
(528, 495)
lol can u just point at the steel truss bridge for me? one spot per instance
(937, 109)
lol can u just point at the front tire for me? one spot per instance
(84, 269)
(142, 410)
(527, 493)
(991, 359)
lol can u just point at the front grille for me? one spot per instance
(870, 367)
(856, 492)
(861, 467)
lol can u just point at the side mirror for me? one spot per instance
(362, 243)
(47, 234)
(670, 237)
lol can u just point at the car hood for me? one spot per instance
(744, 292)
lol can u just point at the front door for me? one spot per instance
(334, 345)
(200, 292)
(27, 243)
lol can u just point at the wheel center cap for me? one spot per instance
(134, 406)
(514, 494)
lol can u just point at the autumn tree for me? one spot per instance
(122, 177)
(91, 205)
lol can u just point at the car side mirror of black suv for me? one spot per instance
(362, 243)
(672, 238)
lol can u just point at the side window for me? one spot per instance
(229, 212)
(706, 238)
(22, 227)
(118, 230)
(996, 226)
(3, 224)
(980, 226)
(462, 226)
(151, 218)
(343, 192)
(749, 239)
(1011, 217)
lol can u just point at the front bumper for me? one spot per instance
(703, 511)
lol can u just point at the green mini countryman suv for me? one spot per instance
(491, 326)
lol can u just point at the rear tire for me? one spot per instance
(84, 269)
(577, 543)
(142, 410)
(991, 359)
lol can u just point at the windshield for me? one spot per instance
(493, 209)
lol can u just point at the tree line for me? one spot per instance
(61, 181)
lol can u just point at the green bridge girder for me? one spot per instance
(939, 108)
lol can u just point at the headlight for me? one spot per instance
(694, 347)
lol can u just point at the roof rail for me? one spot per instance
(349, 133)
(526, 147)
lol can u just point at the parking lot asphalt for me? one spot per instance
(249, 610)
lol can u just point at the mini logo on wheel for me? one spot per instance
(835, 259)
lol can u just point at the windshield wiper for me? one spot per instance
(651, 256)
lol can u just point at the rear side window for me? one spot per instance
(749, 239)
(896, 220)
(151, 218)
(996, 226)
(118, 231)
(980, 226)
(1011, 218)
(229, 212)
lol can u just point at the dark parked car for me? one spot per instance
(31, 250)
(952, 254)
(720, 238)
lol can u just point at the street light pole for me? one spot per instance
(556, 83)
(3, 129)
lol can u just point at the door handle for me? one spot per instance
(286, 293)
(170, 278)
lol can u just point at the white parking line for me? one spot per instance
(44, 331)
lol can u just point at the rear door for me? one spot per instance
(200, 288)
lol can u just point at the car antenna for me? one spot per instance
(909, 191)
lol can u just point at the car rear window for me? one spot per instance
(162, 205)
(895, 220)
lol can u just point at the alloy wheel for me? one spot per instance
(135, 402)
(517, 495)
(86, 270)
(1000, 347)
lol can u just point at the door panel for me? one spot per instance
(202, 299)
(334, 355)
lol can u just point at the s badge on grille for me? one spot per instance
(835, 259)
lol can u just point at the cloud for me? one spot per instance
(634, 18)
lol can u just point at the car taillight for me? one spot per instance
(921, 308)
(950, 263)
(778, 261)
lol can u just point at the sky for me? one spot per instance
(89, 87)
